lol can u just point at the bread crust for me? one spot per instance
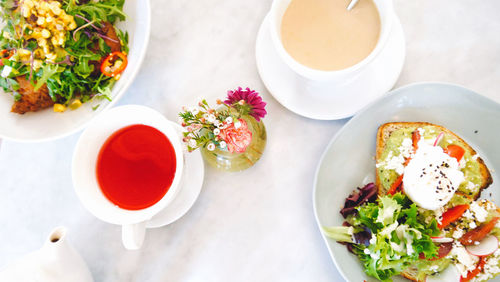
(385, 131)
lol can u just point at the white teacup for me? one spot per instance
(278, 9)
(84, 170)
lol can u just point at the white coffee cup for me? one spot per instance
(278, 9)
(84, 170)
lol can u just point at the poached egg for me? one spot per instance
(431, 177)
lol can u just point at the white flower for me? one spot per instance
(211, 118)
(194, 111)
(222, 144)
(217, 123)
(229, 120)
(237, 124)
(192, 143)
(216, 131)
(211, 147)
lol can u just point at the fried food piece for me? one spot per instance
(31, 100)
(113, 41)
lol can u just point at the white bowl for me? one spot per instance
(348, 161)
(46, 125)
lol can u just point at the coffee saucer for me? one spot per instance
(191, 183)
(323, 100)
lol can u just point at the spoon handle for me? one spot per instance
(351, 5)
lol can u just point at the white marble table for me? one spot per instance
(257, 225)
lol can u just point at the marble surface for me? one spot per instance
(257, 225)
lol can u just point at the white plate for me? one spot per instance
(349, 158)
(329, 101)
(47, 125)
(191, 183)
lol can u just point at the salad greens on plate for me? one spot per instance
(60, 53)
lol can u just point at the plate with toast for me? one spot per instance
(435, 145)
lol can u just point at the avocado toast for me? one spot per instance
(426, 222)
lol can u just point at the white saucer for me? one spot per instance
(329, 101)
(191, 182)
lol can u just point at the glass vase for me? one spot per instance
(224, 160)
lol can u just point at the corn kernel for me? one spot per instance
(55, 9)
(51, 57)
(24, 52)
(40, 21)
(45, 33)
(117, 77)
(75, 104)
(59, 108)
(26, 12)
(49, 19)
(28, 3)
(37, 64)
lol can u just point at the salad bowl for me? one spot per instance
(348, 162)
(46, 124)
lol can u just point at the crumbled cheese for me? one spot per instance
(458, 233)
(392, 162)
(462, 163)
(434, 268)
(490, 206)
(468, 214)
(406, 148)
(366, 251)
(474, 158)
(490, 269)
(6, 71)
(438, 213)
(471, 186)
(472, 225)
(480, 213)
(465, 261)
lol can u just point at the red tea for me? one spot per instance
(136, 167)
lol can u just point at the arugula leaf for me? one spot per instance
(46, 72)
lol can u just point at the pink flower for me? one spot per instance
(237, 139)
(247, 98)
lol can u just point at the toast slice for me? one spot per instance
(386, 130)
(384, 133)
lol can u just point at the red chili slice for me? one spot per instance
(108, 64)
(5, 54)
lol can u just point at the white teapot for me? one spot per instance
(56, 261)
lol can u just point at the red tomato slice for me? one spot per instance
(415, 137)
(452, 214)
(395, 186)
(455, 151)
(478, 233)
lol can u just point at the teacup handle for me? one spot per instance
(133, 235)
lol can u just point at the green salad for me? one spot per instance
(60, 53)
(395, 235)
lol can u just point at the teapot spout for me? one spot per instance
(57, 235)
